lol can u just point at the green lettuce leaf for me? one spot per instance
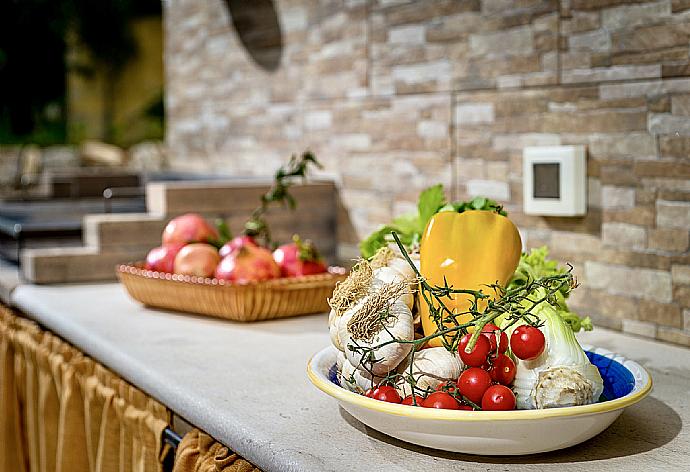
(408, 227)
(375, 241)
(406, 224)
(479, 203)
(536, 264)
(430, 201)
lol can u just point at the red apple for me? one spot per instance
(248, 264)
(236, 243)
(299, 258)
(197, 259)
(189, 228)
(162, 258)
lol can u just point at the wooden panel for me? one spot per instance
(118, 238)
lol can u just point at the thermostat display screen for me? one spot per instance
(554, 180)
(546, 180)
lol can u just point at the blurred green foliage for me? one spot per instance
(147, 125)
(33, 63)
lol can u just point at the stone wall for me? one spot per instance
(395, 95)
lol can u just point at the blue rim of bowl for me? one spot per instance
(643, 385)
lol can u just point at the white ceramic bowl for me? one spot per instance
(494, 432)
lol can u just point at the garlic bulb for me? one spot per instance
(363, 347)
(389, 275)
(562, 386)
(346, 294)
(416, 260)
(430, 368)
(333, 324)
(338, 329)
(562, 375)
(403, 267)
(340, 360)
(356, 380)
(391, 256)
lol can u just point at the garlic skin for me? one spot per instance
(356, 380)
(333, 324)
(347, 293)
(430, 368)
(414, 256)
(338, 330)
(562, 386)
(338, 327)
(403, 267)
(388, 275)
(416, 260)
(339, 361)
(385, 358)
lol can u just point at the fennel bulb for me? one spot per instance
(562, 375)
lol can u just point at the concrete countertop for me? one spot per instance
(246, 385)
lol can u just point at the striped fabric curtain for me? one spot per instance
(61, 411)
(199, 452)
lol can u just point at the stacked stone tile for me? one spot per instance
(396, 95)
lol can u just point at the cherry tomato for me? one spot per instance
(503, 370)
(441, 400)
(408, 400)
(498, 398)
(448, 387)
(527, 342)
(478, 356)
(386, 393)
(369, 393)
(473, 382)
(465, 407)
(493, 332)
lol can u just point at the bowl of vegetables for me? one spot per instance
(446, 335)
(513, 432)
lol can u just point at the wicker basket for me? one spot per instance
(279, 298)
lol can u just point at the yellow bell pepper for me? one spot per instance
(470, 249)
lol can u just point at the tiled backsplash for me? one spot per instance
(393, 96)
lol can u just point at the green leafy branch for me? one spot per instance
(297, 167)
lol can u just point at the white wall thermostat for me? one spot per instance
(554, 180)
